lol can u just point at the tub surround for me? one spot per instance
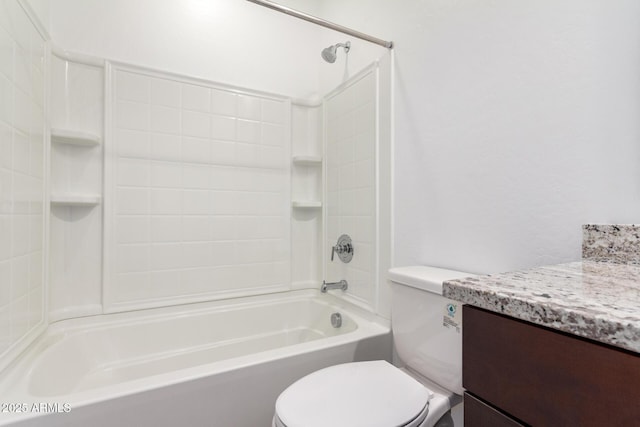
(597, 298)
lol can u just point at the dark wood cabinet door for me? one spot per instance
(479, 414)
(548, 378)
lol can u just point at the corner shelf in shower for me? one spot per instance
(307, 160)
(306, 204)
(74, 137)
(75, 199)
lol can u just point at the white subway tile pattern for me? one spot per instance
(21, 176)
(351, 183)
(200, 186)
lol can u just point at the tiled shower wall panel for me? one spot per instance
(22, 153)
(75, 232)
(199, 190)
(350, 127)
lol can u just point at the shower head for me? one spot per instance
(329, 53)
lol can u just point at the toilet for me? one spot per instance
(427, 336)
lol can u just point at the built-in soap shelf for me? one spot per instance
(75, 199)
(74, 137)
(79, 139)
(306, 204)
(307, 160)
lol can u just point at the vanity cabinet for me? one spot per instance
(517, 373)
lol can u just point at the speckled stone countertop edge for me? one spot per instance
(581, 321)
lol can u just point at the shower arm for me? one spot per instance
(322, 22)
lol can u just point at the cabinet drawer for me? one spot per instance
(548, 378)
(479, 414)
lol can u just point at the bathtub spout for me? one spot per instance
(342, 284)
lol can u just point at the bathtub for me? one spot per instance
(211, 364)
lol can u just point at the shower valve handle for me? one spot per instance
(343, 248)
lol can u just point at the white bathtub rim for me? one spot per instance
(195, 372)
(133, 387)
(190, 309)
(369, 325)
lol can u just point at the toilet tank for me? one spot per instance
(427, 328)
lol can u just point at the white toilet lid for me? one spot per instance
(361, 394)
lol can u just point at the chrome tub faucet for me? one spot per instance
(342, 284)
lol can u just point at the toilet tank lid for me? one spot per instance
(424, 277)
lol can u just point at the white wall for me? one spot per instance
(244, 45)
(515, 123)
(306, 186)
(198, 191)
(228, 41)
(41, 10)
(75, 232)
(22, 167)
(350, 135)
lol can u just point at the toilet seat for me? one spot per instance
(417, 422)
(360, 394)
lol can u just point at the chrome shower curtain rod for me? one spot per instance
(322, 22)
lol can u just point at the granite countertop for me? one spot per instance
(591, 299)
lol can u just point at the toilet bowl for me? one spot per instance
(427, 337)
